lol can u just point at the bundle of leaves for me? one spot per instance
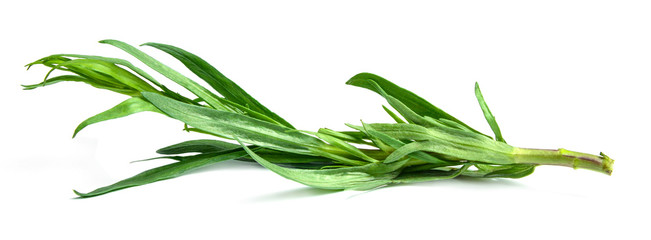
(424, 144)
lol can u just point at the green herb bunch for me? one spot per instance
(424, 144)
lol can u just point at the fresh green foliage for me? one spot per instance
(168, 171)
(424, 144)
(221, 83)
(234, 125)
(123, 109)
(488, 115)
(411, 101)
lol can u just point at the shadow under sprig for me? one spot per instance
(291, 194)
(458, 182)
(463, 182)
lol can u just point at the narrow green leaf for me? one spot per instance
(354, 137)
(117, 61)
(54, 61)
(123, 109)
(354, 134)
(440, 132)
(166, 172)
(425, 121)
(210, 98)
(218, 81)
(197, 146)
(108, 72)
(181, 158)
(209, 146)
(338, 158)
(93, 78)
(354, 178)
(404, 110)
(133, 68)
(430, 175)
(449, 123)
(233, 125)
(401, 131)
(49, 61)
(280, 157)
(411, 100)
(247, 111)
(393, 115)
(75, 78)
(397, 144)
(345, 146)
(432, 166)
(191, 129)
(488, 115)
(379, 144)
(505, 171)
(452, 150)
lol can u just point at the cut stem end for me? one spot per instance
(563, 157)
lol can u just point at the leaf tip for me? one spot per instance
(77, 130)
(111, 41)
(358, 77)
(80, 195)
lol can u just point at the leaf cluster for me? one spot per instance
(423, 144)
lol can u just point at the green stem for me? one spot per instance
(563, 157)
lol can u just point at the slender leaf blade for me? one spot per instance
(379, 144)
(505, 171)
(204, 146)
(488, 115)
(195, 88)
(233, 125)
(117, 61)
(453, 150)
(393, 115)
(430, 175)
(441, 133)
(197, 146)
(349, 178)
(62, 78)
(345, 146)
(411, 100)
(218, 81)
(165, 172)
(123, 109)
(88, 80)
(133, 68)
(349, 136)
(108, 71)
(397, 144)
(339, 159)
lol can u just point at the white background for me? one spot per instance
(571, 74)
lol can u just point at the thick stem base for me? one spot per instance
(563, 157)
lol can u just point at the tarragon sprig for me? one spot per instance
(424, 144)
